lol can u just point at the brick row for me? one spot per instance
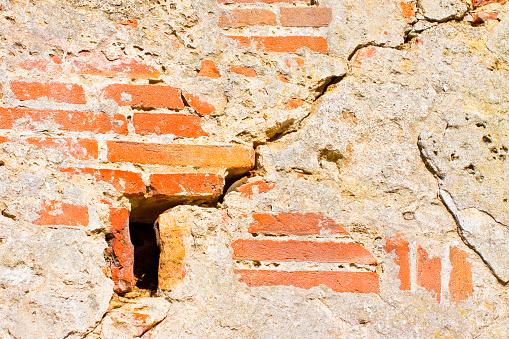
(60, 213)
(287, 44)
(191, 185)
(79, 148)
(289, 16)
(235, 158)
(144, 123)
(293, 250)
(354, 282)
(428, 270)
(58, 92)
(294, 224)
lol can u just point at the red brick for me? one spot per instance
(145, 96)
(196, 185)
(294, 103)
(479, 3)
(253, 1)
(289, 44)
(354, 282)
(72, 121)
(428, 272)
(247, 17)
(408, 10)
(59, 92)
(209, 69)
(246, 71)
(294, 62)
(106, 68)
(61, 213)
(460, 281)
(4, 139)
(180, 125)
(123, 181)
(293, 250)
(122, 266)
(401, 249)
(260, 185)
(294, 223)
(237, 159)
(305, 16)
(201, 107)
(81, 149)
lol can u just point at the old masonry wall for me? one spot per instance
(254, 169)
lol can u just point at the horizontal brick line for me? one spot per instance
(61, 213)
(121, 180)
(354, 282)
(180, 125)
(59, 92)
(72, 121)
(285, 44)
(145, 96)
(198, 185)
(237, 159)
(294, 224)
(293, 250)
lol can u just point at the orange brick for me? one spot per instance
(195, 185)
(106, 68)
(288, 44)
(294, 223)
(408, 10)
(402, 259)
(354, 282)
(123, 181)
(246, 71)
(61, 213)
(460, 281)
(122, 266)
(260, 185)
(146, 96)
(247, 17)
(305, 16)
(4, 139)
(293, 250)
(81, 149)
(59, 92)
(294, 103)
(262, 1)
(237, 159)
(72, 121)
(209, 69)
(180, 125)
(428, 272)
(201, 107)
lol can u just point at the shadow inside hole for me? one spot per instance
(146, 255)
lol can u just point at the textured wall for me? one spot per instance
(317, 169)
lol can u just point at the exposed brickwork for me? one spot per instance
(293, 250)
(81, 149)
(354, 282)
(200, 106)
(261, 1)
(235, 158)
(181, 125)
(122, 266)
(294, 103)
(193, 185)
(294, 223)
(287, 44)
(124, 181)
(306, 16)
(428, 272)
(408, 10)
(246, 71)
(145, 96)
(61, 213)
(402, 251)
(460, 281)
(256, 187)
(73, 121)
(209, 69)
(58, 92)
(247, 17)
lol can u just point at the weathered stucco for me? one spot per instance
(317, 169)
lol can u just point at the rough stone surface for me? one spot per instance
(318, 169)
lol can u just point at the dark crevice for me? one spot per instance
(328, 82)
(146, 255)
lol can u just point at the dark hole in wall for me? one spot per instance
(146, 255)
